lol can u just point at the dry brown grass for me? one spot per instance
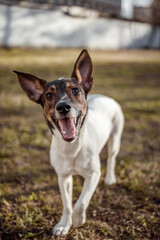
(30, 203)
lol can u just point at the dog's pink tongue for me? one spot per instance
(67, 127)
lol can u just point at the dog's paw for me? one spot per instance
(110, 180)
(60, 230)
(78, 217)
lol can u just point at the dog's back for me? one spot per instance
(105, 117)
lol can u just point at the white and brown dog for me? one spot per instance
(80, 126)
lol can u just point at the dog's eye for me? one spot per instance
(75, 91)
(49, 96)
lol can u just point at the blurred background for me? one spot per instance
(44, 38)
(101, 24)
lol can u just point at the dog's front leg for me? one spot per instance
(79, 211)
(65, 185)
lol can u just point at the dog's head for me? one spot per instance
(63, 100)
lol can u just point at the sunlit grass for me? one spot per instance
(30, 204)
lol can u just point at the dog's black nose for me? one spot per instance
(63, 107)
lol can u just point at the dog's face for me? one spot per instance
(64, 105)
(63, 100)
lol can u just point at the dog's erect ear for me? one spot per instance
(32, 85)
(83, 71)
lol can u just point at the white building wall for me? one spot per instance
(42, 28)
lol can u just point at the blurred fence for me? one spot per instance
(147, 13)
(105, 8)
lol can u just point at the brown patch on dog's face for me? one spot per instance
(48, 103)
(78, 98)
(64, 90)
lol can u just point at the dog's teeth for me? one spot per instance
(75, 120)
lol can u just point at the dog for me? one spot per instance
(81, 125)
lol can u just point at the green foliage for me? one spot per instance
(30, 203)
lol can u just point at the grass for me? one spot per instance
(30, 203)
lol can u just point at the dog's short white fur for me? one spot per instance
(104, 122)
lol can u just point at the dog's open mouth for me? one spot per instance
(69, 127)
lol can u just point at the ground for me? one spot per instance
(30, 203)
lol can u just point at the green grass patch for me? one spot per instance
(30, 203)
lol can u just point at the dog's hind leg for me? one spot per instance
(113, 150)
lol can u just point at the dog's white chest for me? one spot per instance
(73, 160)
